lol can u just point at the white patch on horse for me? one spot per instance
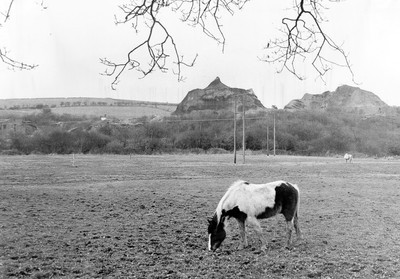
(296, 187)
(253, 198)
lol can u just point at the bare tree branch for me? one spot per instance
(7, 13)
(304, 39)
(159, 45)
(4, 57)
(13, 64)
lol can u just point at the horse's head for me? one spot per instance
(216, 233)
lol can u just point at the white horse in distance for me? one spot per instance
(348, 157)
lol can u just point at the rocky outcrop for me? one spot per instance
(345, 98)
(218, 97)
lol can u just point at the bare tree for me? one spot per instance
(4, 54)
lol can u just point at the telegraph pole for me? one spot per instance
(244, 136)
(234, 132)
(267, 140)
(244, 130)
(274, 135)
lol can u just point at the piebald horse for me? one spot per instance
(248, 202)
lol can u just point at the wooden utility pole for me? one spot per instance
(244, 135)
(234, 132)
(274, 135)
(267, 140)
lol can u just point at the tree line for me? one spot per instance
(301, 133)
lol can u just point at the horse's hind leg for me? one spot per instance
(296, 226)
(289, 225)
(292, 221)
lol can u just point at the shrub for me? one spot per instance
(253, 143)
(5, 144)
(115, 147)
(105, 130)
(194, 139)
(60, 142)
(21, 142)
(394, 150)
(94, 142)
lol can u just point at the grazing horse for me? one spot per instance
(348, 157)
(249, 202)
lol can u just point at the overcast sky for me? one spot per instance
(67, 39)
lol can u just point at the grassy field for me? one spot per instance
(134, 109)
(145, 217)
(123, 113)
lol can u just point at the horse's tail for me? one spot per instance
(298, 201)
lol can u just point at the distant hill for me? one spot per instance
(345, 98)
(217, 97)
(118, 108)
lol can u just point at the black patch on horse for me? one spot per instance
(217, 232)
(235, 213)
(286, 198)
(212, 224)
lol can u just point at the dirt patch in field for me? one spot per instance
(145, 217)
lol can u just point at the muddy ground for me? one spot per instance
(146, 217)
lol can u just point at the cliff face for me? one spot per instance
(344, 98)
(218, 97)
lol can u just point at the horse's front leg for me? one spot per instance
(258, 229)
(242, 231)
